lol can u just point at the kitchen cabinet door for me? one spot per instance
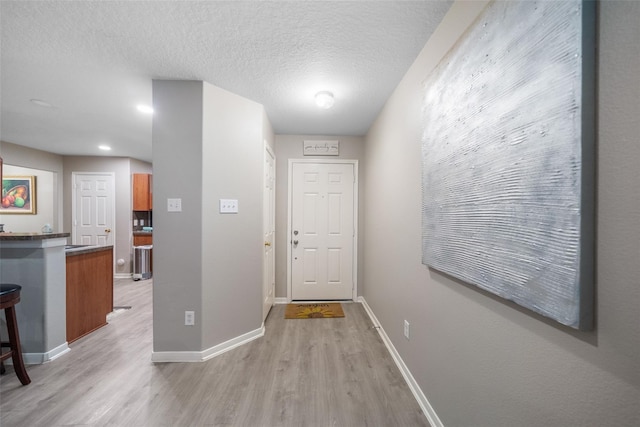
(142, 240)
(89, 295)
(142, 192)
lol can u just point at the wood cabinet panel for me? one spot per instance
(142, 239)
(89, 292)
(142, 192)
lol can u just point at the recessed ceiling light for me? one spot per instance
(145, 109)
(104, 147)
(324, 99)
(41, 103)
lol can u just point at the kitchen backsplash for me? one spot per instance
(142, 219)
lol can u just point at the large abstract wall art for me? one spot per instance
(508, 158)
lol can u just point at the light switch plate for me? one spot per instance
(174, 205)
(228, 206)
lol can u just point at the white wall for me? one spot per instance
(480, 360)
(290, 147)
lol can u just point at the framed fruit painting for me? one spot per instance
(18, 195)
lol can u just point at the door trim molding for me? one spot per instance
(356, 198)
(269, 151)
(74, 214)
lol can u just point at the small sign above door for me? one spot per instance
(321, 148)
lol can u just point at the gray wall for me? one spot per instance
(482, 361)
(232, 245)
(18, 155)
(121, 167)
(290, 147)
(177, 236)
(45, 201)
(207, 145)
(138, 166)
(60, 209)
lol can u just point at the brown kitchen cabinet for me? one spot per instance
(142, 192)
(142, 239)
(89, 290)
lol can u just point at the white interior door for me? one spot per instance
(269, 227)
(322, 231)
(93, 213)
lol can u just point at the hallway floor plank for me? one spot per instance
(316, 372)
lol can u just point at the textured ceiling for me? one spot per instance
(94, 61)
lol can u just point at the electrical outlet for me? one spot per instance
(406, 329)
(189, 318)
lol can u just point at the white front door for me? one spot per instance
(269, 227)
(93, 212)
(323, 207)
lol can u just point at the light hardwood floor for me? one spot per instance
(317, 372)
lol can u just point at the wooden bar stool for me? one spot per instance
(9, 297)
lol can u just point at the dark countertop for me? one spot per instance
(142, 233)
(82, 250)
(31, 236)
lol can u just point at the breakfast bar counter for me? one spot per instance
(36, 261)
(15, 237)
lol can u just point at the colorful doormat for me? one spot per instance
(313, 311)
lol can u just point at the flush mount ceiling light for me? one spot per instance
(324, 99)
(104, 147)
(145, 109)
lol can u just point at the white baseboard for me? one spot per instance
(426, 407)
(201, 356)
(40, 358)
(122, 276)
(280, 300)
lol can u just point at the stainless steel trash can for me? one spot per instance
(142, 262)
